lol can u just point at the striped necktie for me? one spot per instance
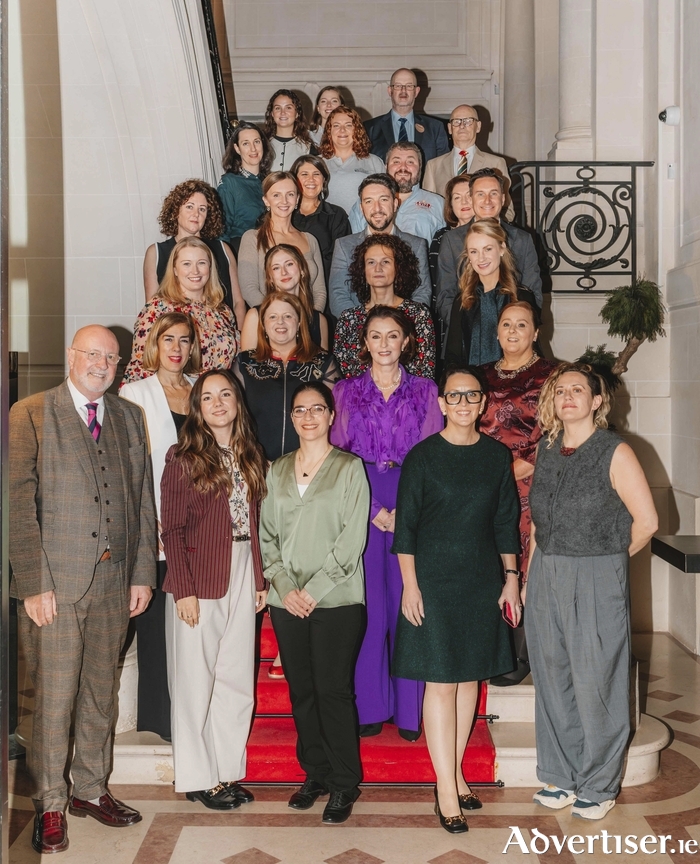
(93, 425)
(403, 135)
(463, 162)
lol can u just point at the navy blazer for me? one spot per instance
(432, 141)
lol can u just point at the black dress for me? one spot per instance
(457, 511)
(327, 224)
(153, 713)
(164, 249)
(269, 386)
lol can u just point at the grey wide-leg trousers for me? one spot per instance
(578, 635)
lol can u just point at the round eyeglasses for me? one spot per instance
(313, 410)
(454, 397)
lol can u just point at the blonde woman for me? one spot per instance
(487, 284)
(591, 510)
(190, 285)
(172, 353)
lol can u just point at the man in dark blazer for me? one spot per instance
(379, 201)
(83, 553)
(487, 189)
(403, 124)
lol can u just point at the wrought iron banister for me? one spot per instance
(215, 59)
(585, 218)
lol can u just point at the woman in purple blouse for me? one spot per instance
(380, 416)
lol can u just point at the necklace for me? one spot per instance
(317, 462)
(172, 395)
(389, 386)
(512, 374)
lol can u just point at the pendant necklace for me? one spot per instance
(317, 462)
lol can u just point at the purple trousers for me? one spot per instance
(379, 694)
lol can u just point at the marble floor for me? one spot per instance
(396, 825)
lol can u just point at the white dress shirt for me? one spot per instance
(81, 404)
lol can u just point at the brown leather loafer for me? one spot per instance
(109, 811)
(50, 832)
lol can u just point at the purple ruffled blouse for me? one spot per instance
(382, 431)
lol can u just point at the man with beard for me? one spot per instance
(420, 212)
(379, 201)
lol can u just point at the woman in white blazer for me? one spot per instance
(172, 353)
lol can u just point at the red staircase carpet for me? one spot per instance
(386, 758)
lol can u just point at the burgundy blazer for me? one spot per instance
(196, 534)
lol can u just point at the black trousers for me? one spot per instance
(318, 657)
(154, 698)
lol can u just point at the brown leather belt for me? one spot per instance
(106, 555)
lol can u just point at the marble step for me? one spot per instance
(514, 704)
(142, 757)
(516, 757)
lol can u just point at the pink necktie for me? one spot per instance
(93, 425)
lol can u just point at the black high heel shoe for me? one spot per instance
(470, 802)
(451, 824)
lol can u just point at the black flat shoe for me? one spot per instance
(239, 793)
(338, 809)
(470, 802)
(410, 735)
(511, 678)
(451, 824)
(306, 796)
(369, 730)
(217, 798)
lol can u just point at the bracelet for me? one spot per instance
(515, 572)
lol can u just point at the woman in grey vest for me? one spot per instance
(591, 509)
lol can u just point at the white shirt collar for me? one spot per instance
(81, 402)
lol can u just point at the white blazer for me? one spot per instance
(149, 395)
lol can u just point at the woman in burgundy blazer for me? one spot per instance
(212, 485)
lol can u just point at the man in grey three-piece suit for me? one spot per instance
(83, 552)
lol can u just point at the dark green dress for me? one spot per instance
(457, 510)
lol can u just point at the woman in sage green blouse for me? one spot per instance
(313, 531)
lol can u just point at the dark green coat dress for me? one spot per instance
(457, 511)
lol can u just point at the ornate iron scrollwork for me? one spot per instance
(584, 215)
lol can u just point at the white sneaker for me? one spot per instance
(590, 810)
(554, 797)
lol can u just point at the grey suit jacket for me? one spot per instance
(340, 294)
(522, 249)
(54, 503)
(439, 171)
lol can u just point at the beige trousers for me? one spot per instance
(211, 681)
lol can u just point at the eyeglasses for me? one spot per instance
(96, 356)
(454, 397)
(315, 410)
(409, 87)
(458, 122)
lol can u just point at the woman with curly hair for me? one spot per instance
(212, 487)
(286, 128)
(591, 510)
(190, 285)
(246, 161)
(486, 285)
(193, 209)
(280, 197)
(384, 272)
(345, 147)
(328, 98)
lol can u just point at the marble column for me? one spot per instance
(575, 138)
(519, 75)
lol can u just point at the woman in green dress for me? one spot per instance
(456, 538)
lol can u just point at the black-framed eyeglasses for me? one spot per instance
(96, 356)
(398, 87)
(463, 121)
(313, 410)
(454, 397)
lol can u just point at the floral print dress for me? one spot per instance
(218, 336)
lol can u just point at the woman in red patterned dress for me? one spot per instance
(510, 416)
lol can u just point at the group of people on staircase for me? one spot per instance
(303, 458)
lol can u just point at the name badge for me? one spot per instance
(419, 128)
